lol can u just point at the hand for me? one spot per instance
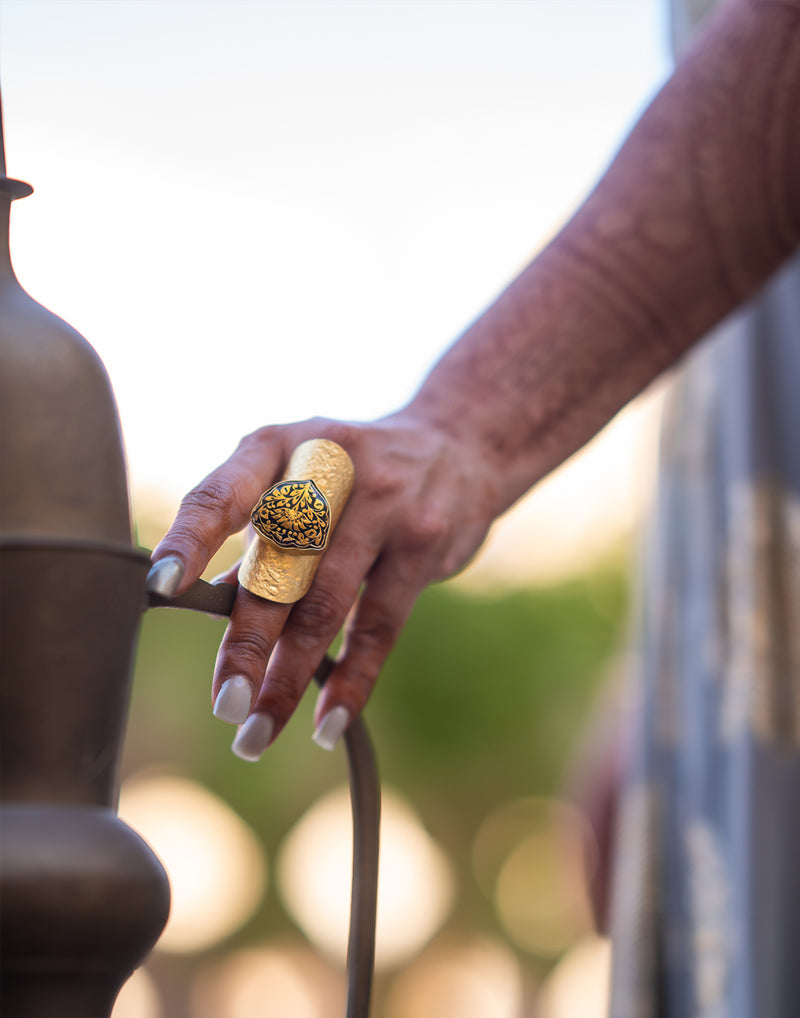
(420, 507)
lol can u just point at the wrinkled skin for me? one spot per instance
(418, 511)
(699, 207)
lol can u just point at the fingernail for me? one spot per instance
(164, 576)
(331, 728)
(233, 700)
(253, 737)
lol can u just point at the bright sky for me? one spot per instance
(259, 211)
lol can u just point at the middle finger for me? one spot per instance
(254, 629)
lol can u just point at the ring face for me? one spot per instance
(293, 514)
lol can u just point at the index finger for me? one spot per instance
(218, 507)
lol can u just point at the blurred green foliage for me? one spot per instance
(481, 702)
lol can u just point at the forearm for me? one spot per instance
(699, 207)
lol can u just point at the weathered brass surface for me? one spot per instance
(82, 898)
(284, 574)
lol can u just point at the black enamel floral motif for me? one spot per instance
(293, 514)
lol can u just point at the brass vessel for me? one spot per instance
(83, 898)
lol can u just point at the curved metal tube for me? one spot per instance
(365, 799)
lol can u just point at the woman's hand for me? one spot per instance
(420, 507)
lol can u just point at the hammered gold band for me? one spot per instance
(294, 519)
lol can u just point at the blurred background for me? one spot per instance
(265, 210)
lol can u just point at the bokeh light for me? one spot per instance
(415, 884)
(386, 169)
(138, 998)
(580, 984)
(535, 857)
(540, 899)
(216, 865)
(280, 980)
(481, 979)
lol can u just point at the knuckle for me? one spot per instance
(211, 497)
(344, 434)
(319, 613)
(425, 531)
(261, 436)
(375, 637)
(316, 423)
(249, 648)
(384, 483)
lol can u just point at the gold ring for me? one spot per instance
(294, 519)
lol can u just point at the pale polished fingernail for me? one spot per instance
(331, 728)
(233, 700)
(165, 576)
(253, 737)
